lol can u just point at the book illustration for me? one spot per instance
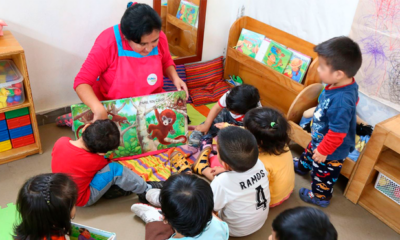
(192, 11)
(263, 49)
(297, 66)
(146, 123)
(181, 10)
(82, 232)
(249, 42)
(277, 57)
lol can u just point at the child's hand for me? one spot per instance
(221, 125)
(202, 128)
(318, 157)
(217, 170)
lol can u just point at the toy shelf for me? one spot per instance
(181, 24)
(10, 49)
(276, 90)
(382, 155)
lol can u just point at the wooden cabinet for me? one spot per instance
(10, 49)
(382, 155)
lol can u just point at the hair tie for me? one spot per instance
(130, 4)
(273, 124)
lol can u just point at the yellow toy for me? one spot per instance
(3, 97)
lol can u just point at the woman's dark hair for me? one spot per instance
(303, 223)
(187, 204)
(241, 99)
(270, 128)
(238, 148)
(138, 20)
(45, 203)
(341, 53)
(101, 136)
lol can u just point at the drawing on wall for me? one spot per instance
(376, 29)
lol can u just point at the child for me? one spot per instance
(271, 129)
(84, 161)
(241, 193)
(46, 205)
(187, 205)
(231, 108)
(303, 223)
(334, 123)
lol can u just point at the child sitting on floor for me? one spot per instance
(333, 130)
(271, 129)
(84, 161)
(230, 108)
(187, 205)
(303, 223)
(46, 205)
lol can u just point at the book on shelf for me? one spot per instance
(188, 12)
(263, 49)
(277, 56)
(297, 66)
(249, 42)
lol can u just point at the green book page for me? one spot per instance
(277, 57)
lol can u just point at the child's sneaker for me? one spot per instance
(202, 161)
(147, 213)
(153, 197)
(307, 196)
(178, 160)
(296, 162)
(194, 138)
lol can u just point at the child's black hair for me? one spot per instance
(241, 99)
(139, 20)
(303, 223)
(238, 148)
(187, 204)
(45, 203)
(341, 53)
(270, 128)
(101, 136)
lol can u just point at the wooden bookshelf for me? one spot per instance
(381, 155)
(10, 49)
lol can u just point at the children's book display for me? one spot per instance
(148, 123)
(82, 232)
(290, 62)
(188, 12)
(249, 42)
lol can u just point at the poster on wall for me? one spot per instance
(376, 29)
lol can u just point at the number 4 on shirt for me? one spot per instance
(260, 198)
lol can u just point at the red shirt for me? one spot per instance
(80, 164)
(115, 71)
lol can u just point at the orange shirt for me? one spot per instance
(280, 174)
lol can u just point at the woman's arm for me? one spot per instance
(178, 82)
(86, 94)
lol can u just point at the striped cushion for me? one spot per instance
(169, 86)
(212, 92)
(199, 75)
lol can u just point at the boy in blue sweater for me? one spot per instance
(333, 127)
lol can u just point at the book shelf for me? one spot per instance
(382, 155)
(10, 49)
(276, 90)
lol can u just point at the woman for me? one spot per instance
(127, 60)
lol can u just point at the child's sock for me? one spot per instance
(153, 197)
(147, 213)
(150, 185)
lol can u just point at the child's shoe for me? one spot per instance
(307, 196)
(202, 161)
(194, 138)
(178, 160)
(147, 213)
(296, 163)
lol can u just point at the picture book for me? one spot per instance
(147, 123)
(263, 49)
(82, 232)
(249, 42)
(297, 67)
(277, 56)
(191, 13)
(181, 10)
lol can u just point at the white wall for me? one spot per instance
(58, 35)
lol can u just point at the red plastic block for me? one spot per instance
(22, 141)
(2, 116)
(18, 122)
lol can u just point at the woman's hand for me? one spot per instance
(100, 113)
(181, 85)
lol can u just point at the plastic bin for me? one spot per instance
(20, 132)
(11, 85)
(388, 187)
(18, 122)
(22, 141)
